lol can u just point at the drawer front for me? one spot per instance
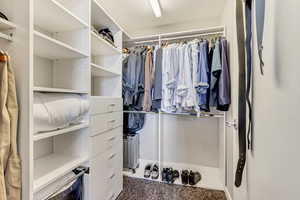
(106, 178)
(105, 122)
(105, 105)
(106, 141)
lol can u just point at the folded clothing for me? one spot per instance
(54, 111)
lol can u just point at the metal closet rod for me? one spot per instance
(202, 115)
(181, 37)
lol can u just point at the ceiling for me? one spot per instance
(137, 19)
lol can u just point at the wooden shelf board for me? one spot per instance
(58, 90)
(101, 47)
(47, 47)
(49, 168)
(54, 17)
(45, 135)
(102, 71)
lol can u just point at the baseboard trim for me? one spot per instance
(228, 196)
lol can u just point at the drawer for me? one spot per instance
(100, 105)
(105, 180)
(105, 122)
(106, 141)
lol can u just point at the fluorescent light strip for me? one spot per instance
(156, 7)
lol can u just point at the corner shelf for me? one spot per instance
(102, 71)
(49, 168)
(47, 47)
(58, 90)
(54, 17)
(45, 135)
(101, 47)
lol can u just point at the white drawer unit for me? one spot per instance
(106, 174)
(105, 122)
(106, 153)
(106, 141)
(101, 105)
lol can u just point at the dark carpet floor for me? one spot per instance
(139, 189)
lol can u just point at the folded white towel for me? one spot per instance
(54, 111)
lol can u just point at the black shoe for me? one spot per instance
(175, 174)
(170, 178)
(164, 174)
(185, 177)
(194, 177)
(155, 171)
(147, 171)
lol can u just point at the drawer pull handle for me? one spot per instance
(112, 138)
(112, 105)
(112, 176)
(112, 156)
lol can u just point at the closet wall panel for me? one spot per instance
(185, 140)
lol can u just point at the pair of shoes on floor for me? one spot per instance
(169, 175)
(190, 177)
(151, 170)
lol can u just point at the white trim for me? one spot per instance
(227, 194)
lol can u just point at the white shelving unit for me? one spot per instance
(103, 72)
(51, 167)
(58, 90)
(70, 129)
(47, 47)
(61, 18)
(101, 47)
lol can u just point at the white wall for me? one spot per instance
(185, 140)
(273, 167)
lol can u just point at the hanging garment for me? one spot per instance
(148, 81)
(157, 81)
(260, 23)
(203, 74)
(216, 70)
(10, 164)
(224, 98)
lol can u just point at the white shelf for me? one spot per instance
(101, 47)
(47, 47)
(210, 175)
(101, 19)
(41, 136)
(102, 71)
(58, 90)
(50, 168)
(6, 37)
(6, 25)
(54, 17)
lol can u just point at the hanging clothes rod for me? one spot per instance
(200, 115)
(181, 37)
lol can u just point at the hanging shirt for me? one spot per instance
(224, 98)
(203, 76)
(215, 74)
(195, 71)
(157, 82)
(148, 81)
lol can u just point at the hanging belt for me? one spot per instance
(242, 104)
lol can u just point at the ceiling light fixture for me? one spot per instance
(156, 7)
